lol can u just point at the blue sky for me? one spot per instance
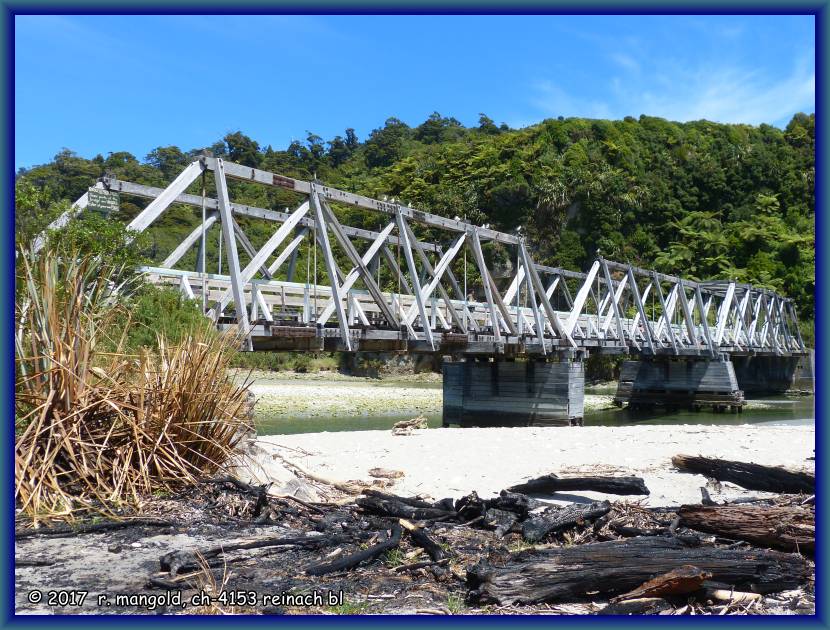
(97, 84)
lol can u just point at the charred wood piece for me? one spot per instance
(548, 484)
(566, 574)
(556, 519)
(683, 580)
(791, 528)
(394, 507)
(748, 475)
(352, 560)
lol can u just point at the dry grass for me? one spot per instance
(98, 430)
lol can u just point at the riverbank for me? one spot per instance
(452, 462)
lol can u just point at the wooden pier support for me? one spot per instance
(689, 382)
(513, 393)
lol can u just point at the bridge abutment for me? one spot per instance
(497, 392)
(688, 382)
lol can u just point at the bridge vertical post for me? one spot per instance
(485, 280)
(331, 266)
(231, 252)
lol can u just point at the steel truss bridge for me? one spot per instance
(536, 313)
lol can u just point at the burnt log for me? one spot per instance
(791, 528)
(557, 519)
(515, 502)
(181, 561)
(567, 574)
(548, 484)
(748, 475)
(352, 560)
(394, 507)
(683, 580)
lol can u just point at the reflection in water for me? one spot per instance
(778, 410)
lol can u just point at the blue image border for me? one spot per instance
(8, 10)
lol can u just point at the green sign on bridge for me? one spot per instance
(103, 201)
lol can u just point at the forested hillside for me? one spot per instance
(700, 199)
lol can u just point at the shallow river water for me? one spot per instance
(777, 410)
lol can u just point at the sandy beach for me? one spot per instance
(451, 462)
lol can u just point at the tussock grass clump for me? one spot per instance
(98, 428)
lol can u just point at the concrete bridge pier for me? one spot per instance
(679, 382)
(495, 391)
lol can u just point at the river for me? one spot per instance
(288, 405)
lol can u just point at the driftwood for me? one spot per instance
(610, 568)
(555, 520)
(351, 561)
(548, 484)
(748, 475)
(791, 528)
(680, 581)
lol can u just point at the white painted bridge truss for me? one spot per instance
(613, 307)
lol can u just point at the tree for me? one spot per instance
(486, 125)
(169, 160)
(385, 145)
(242, 149)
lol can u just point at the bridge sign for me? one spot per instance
(103, 201)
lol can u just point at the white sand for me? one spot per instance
(452, 462)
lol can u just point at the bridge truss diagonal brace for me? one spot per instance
(723, 313)
(581, 298)
(614, 305)
(437, 273)
(536, 285)
(666, 315)
(237, 285)
(641, 311)
(403, 234)
(354, 274)
(493, 295)
(422, 255)
(359, 265)
(540, 326)
(259, 258)
(707, 335)
(190, 240)
(331, 266)
(248, 246)
(169, 194)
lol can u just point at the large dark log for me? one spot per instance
(350, 561)
(394, 507)
(572, 573)
(791, 528)
(748, 475)
(555, 519)
(548, 484)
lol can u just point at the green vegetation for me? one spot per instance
(701, 199)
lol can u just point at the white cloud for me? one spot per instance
(627, 62)
(720, 93)
(555, 101)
